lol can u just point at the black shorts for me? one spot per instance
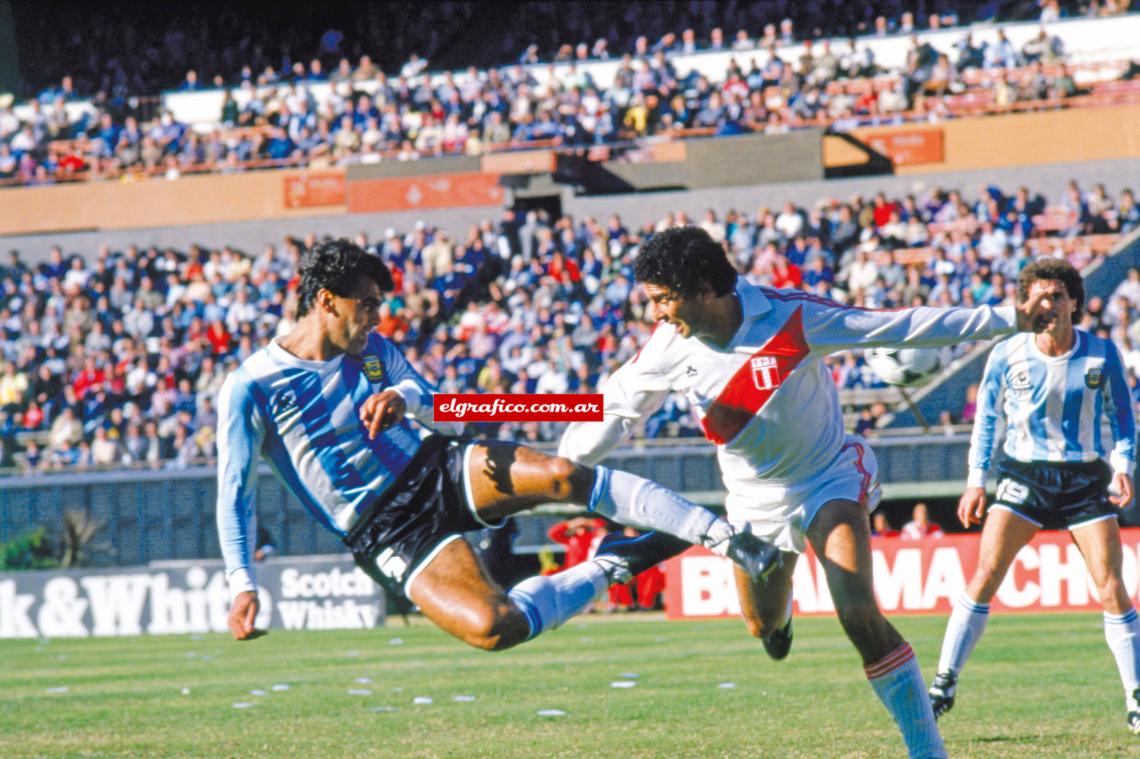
(1055, 495)
(421, 511)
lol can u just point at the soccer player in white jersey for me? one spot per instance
(328, 405)
(1055, 389)
(748, 360)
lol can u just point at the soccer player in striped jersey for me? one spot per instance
(1055, 389)
(330, 407)
(749, 361)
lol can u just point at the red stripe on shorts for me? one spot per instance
(865, 485)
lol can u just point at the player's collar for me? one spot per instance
(283, 356)
(753, 303)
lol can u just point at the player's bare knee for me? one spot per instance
(1114, 596)
(496, 628)
(862, 620)
(569, 481)
(987, 579)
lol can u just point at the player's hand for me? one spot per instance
(1034, 312)
(242, 613)
(381, 411)
(972, 507)
(1120, 491)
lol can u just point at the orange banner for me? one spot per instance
(430, 191)
(909, 147)
(519, 162)
(311, 189)
(911, 577)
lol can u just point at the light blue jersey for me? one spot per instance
(304, 417)
(1054, 407)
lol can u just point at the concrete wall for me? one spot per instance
(188, 200)
(249, 236)
(732, 161)
(1048, 179)
(1026, 139)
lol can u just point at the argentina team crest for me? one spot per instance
(1018, 384)
(1094, 377)
(373, 368)
(765, 372)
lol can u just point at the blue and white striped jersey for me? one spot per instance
(1054, 406)
(304, 417)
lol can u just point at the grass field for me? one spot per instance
(1038, 686)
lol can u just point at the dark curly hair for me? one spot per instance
(685, 260)
(338, 266)
(1054, 270)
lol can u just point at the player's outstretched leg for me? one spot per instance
(1003, 536)
(454, 592)
(637, 554)
(505, 478)
(841, 537)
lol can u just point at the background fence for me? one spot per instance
(151, 515)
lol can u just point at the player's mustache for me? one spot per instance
(1043, 320)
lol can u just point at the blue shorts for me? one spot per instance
(426, 508)
(1055, 495)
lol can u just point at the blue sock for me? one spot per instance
(548, 601)
(637, 502)
(897, 682)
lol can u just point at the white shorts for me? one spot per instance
(781, 514)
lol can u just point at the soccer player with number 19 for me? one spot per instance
(1055, 389)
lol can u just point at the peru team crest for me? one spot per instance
(765, 372)
(373, 368)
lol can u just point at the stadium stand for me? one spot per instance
(115, 359)
(113, 353)
(318, 114)
(227, 43)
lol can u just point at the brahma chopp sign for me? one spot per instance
(911, 576)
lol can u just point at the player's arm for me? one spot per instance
(409, 394)
(830, 327)
(631, 393)
(241, 430)
(1118, 408)
(972, 504)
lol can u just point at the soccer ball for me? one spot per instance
(903, 367)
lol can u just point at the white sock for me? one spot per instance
(963, 631)
(1122, 632)
(637, 502)
(898, 683)
(549, 601)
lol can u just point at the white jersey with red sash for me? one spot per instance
(765, 399)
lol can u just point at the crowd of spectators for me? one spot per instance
(117, 357)
(274, 116)
(138, 49)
